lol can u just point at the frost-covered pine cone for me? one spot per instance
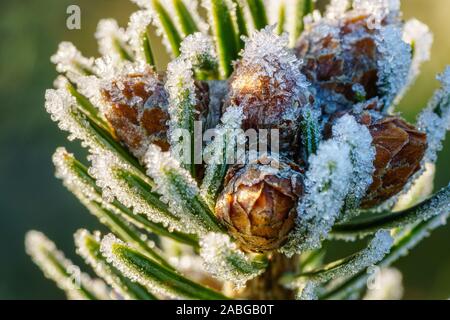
(193, 213)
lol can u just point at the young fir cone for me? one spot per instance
(399, 147)
(354, 56)
(137, 110)
(268, 84)
(258, 204)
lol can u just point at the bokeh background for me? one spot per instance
(30, 196)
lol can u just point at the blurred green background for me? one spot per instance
(31, 198)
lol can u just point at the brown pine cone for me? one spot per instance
(400, 148)
(268, 84)
(258, 204)
(137, 110)
(349, 60)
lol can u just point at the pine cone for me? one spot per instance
(268, 84)
(138, 110)
(349, 60)
(258, 204)
(400, 148)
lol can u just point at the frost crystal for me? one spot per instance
(228, 136)
(63, 162)
(69, 60)
(394, 63)
(61, 106)
(435, 119)
(377, 249)
(137, 28)
(267, 53)
(419, 36)
(180, 87)
(327, 184)
(337, 8)
(61, 270)
(107, 250)
(107, 170)
(177, 188)
(109, 36)
(198, 48)
(224, 260)
(362, 154)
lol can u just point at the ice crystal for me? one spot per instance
(61, 106)
(61, 270)
(388, 285)
(269, 56)
(419, 36)
(109, 36)
(218, 152)
(107, 170)
(223, 259)
(107, 250)
(180, 87)
(177, 188)
(69, 60)
(337, 9)
(362, 154)
(63, 162)
(327, 184)
(198, 48)
(377, 249)
(435, 119)
(137, 28)
(394, 63)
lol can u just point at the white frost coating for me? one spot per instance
(108, 35)
(337, 8)
(100, 267)
(227, 134)
(394, 63)
(420, 37)
(63, 161)
(130, 271)
(327, 184)
(180, 87)
(268, 55)
(217, 250)
(198, 48)
(435, 119)
(61, 106)
(160, 165)
(69, 59)
(137, 28)
(388, 285)
(40, 248)
(362, 154)
(105, 168)
(379, 9)
(377, 249)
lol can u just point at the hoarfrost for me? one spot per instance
(224, 260)
(45, 254)
(137, 28)
(109, 35)
(377, 249)
(327, 184)
(362, 153)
